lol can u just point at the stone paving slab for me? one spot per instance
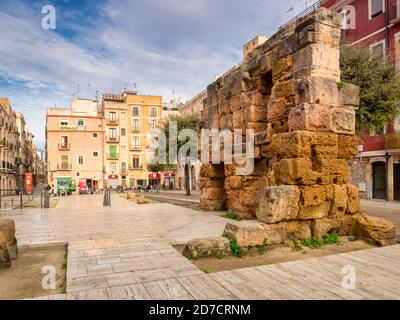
(125, 252)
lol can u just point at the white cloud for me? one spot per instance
(162, 45)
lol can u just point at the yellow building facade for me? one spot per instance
(129, 118)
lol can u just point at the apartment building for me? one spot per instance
(129, 118)
(74, 143)
(375, 24)
(17, 150)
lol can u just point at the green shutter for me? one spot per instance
(113, 152)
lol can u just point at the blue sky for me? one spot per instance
(162, 46)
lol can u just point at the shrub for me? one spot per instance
(232, 216)
(313, 243)
(235, 249)
(331, 238)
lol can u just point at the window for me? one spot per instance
(112, 116)
(123, 132)
(95, 154)
(123, 167)
(64, 122)
(135, 125)
(113, 167)
(112, 132)
(376, 7)
(135, 162)
(153, 124)
(95, 135)
(80, 160)
(135, 111)
(64, 162)
(378, 49)
(80, 122)
(64, 141)
(136, 143)
(153, 112)
(132, 182)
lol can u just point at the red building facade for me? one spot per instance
(375, 24)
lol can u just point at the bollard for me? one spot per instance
(46, 204)
(21, 203)
(107, 198)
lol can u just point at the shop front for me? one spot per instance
(113, 181)
(155, 179)
(169, 181)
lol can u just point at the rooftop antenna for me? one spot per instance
(88, 86)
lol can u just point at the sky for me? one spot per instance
(172, 48)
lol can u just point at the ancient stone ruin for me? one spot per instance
(289, 91)
(8, 243)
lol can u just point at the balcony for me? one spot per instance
(64, 167)
(112, 122)
(114, 156)
(135, 168)
(123, 172)
(64, 146)
(112, 139)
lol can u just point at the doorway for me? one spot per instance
(379, 180)
(396, 181)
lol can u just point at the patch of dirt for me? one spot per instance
(24, 278)
(179, 203)
(275, 255)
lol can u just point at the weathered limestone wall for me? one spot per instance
(8, 243)
(289, 91)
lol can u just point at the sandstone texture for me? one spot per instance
(208, 247)
(288, 90)
(8, 243)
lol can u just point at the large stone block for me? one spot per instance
(212, 171)
(314, 211)
(279, 109)
(297, 230)
(282, 69)
(238, 119)
(304, 144)
(254, 233)
(350, 95)
(339, 201)
(213, 193)
(208, 247)
(8, 243)
(333, 171)
(348, 146)
(310, 117)
(296, 172)
(321, 227)
(283, 89)
(255, 114)
(354, 204)
(280, 203)
(381, 231)
(344, 120)
(212, 205)
(317, 59)
(317, 90)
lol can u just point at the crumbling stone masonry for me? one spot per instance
(289, 91)
(8, 243)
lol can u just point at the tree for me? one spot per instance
(193, 122)
(379, 86)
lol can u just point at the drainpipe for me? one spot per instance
(387, 175)
(387, 22)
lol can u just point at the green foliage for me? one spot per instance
(235, 249)
(331, 238)
(220, 256)
(262, 248)
(341, 85)
(204, 270)
(296, 247)
(157, 167)
(313, 243)
(232, 216)
(379, 86)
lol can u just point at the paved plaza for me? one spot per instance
(125, 252)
